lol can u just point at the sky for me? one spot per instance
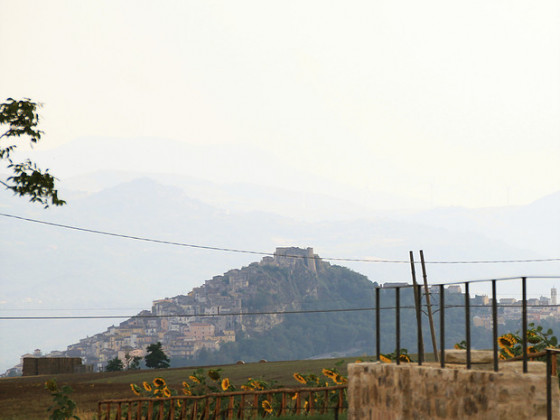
(456, 103)
(445, 102)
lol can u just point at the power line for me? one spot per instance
(242, 251)
(312, 311)
(309, 311)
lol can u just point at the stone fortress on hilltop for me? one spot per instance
(186, 324)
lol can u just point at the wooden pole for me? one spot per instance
(418, 309)
(428, 303)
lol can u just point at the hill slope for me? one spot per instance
(257, 312)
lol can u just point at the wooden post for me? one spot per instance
(428, 303)
(418, 309)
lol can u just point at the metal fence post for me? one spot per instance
(442, 324)
(377, 324)
(524, 321)
(468, 323)
(548, 385)
(495, 324)
(398, 323)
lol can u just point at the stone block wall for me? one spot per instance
(379, 391)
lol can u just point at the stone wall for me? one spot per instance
(379, 391)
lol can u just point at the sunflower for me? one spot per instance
(194, 379)
(225, 384)
(187, 391)
(531, 349)
(167, 392)
(185, 384)
(340, 379)
(147, 386)
(506, 340)
(256, 384)
(135, 389)
(502, 357)
(295, 396)
(213, 374)
(329, 373)
(159, 382)
(299, 378)
(404, 358)
(246, 387)
(508, 351)
(266, 406)
(384, 359)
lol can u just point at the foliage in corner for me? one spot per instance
(62, 407)
(537, 338)
(22, 119)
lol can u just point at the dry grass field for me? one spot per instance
(26, 397)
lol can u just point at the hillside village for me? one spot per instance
(202, 322)
(219, 311)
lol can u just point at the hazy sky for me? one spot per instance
(456, 101)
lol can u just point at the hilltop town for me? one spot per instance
(205, 318)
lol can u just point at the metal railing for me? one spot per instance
(229, 405)
(467, 308)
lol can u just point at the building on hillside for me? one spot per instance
(454, 288)
(200, 331)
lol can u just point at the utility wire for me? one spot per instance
(242, 251)
(313, 311)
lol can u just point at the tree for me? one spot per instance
(156, 358)
(114, 365)
(27, 179)
(131, 362)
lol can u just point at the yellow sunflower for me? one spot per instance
(266, 406)
(299, 378)
(185, 384)
(531, 349)
(404, 358)
(329, 373)
(506, 340)
(187, 391)
(135, 389)
(256, 384)
(508, 351)
(159, 382)
(225, 384)
(340, 379)
(167, 392)
(384, 359)
(147, 386)
(194, 379)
